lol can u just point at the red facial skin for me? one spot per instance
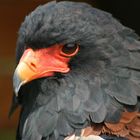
(43, 62)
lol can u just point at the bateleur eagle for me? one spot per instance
(77, 75)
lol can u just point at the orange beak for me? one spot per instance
(39, 63)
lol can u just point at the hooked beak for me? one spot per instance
(37, 64)
(17, 83)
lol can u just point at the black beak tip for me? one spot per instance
(17, 83)
(14, 105)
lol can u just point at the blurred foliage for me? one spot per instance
(7, 135)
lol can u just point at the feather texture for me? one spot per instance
(104, 80)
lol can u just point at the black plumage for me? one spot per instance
(104, 80)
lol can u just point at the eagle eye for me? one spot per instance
(69, 49)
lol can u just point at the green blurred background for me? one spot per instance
(12, 13)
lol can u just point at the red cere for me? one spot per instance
(46, 61)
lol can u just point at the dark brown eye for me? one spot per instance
(69, 49)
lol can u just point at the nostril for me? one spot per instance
(33, 65)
